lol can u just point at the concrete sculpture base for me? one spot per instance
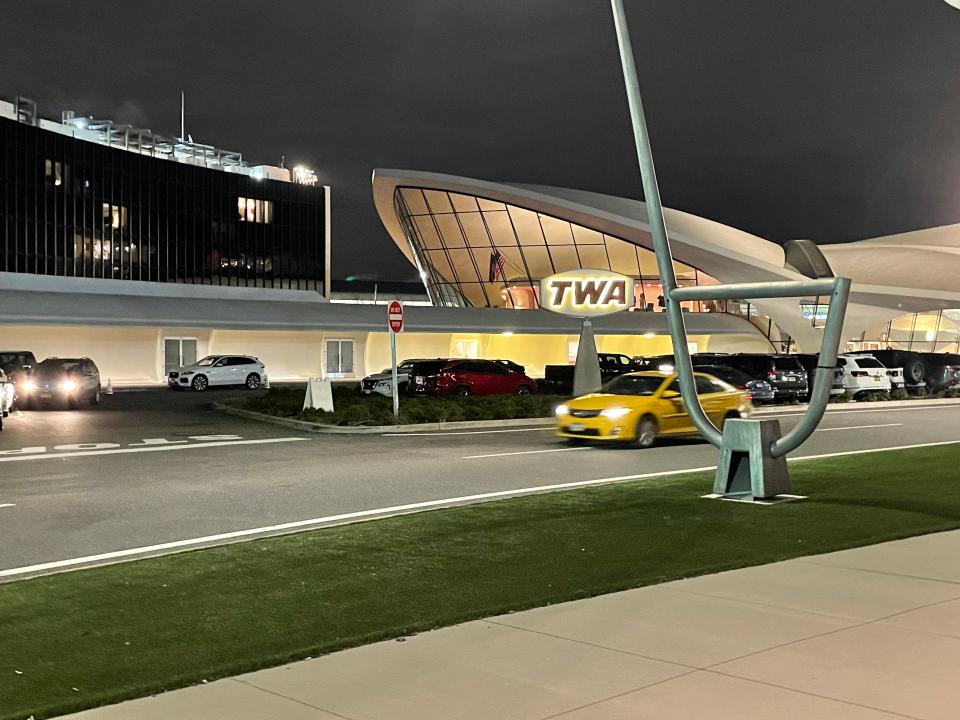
(746, 468)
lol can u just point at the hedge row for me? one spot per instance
(352, 408)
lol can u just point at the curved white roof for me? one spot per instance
(892, 276)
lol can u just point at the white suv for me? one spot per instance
(862, 373)
(220, 370)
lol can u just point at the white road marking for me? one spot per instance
(5, 505)
(523, 452)
(152, 448)
(465, 432)
(380, 513)
(859, 427)
(798, 413)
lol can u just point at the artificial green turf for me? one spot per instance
(91, 637)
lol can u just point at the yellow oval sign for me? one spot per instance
(586, 293)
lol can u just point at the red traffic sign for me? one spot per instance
(395, 316)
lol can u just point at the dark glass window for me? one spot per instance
(76, 208)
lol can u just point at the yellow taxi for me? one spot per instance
(639, 407)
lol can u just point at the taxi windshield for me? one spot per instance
(643, 385)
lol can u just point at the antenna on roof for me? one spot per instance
(183, 129)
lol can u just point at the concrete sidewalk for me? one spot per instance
(862, 634)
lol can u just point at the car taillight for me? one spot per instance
(860, 373)
(771, 375)
(749, 397)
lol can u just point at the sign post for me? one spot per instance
(395, 323)
(586, 294)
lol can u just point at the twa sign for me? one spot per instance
(586, 293)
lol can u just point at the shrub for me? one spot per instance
(899, 394)
(353, 409)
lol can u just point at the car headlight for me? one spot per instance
(562, 410)
(29, 385)
(615, 413)
(188, 372)
(68, 385)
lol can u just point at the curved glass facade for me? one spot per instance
(476, 252)
(935, 331)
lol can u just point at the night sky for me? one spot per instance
(826, 119)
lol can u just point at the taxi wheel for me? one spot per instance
(732, 415)
(646, 432)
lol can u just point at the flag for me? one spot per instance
(496, 266)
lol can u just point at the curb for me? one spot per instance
(304, 426)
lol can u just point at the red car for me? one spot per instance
(468, 377)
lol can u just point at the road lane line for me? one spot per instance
(381, 513)
(6, 505)
(523, 452)
(465, 432)
(828, 413)
(859, 427)
(156, 448)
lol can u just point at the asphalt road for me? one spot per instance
(157, 467)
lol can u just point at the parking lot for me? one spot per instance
(157, 470)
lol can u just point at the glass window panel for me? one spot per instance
(450, 230)
(490, 204)
(500, 228)
(623, 257)
(496, 295)
(474, 294)
(527, 226)
(474, 229)
(428, 232)
(413, 198)
(437, 201)
(683, 271)
(593, 256)
(586, 236)
(538, 261)
(513, 266)
(564, 257)
(648, 263)
(463, 265)
(437, 259)
(464, 203)
(557, 232)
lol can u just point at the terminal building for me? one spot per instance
(143, 252)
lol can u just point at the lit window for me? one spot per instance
(54, 171)
(114, 215)
(255, 211)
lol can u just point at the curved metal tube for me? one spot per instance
(838, 288)
(658, 230)
(823, 380)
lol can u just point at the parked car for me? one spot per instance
(784, 372)
(220, 370)
(463, 377)
(863, 373)
(18, 366)
(810, 361)
(943, 371)
(559, 378)
(760, 390)
(63, 381)
(6, 397)
(935, 371)
(639, 407)
(912, 364)
(382, 382)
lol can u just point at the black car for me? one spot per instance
(784, 372)
(937, 371)
(63, 381)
